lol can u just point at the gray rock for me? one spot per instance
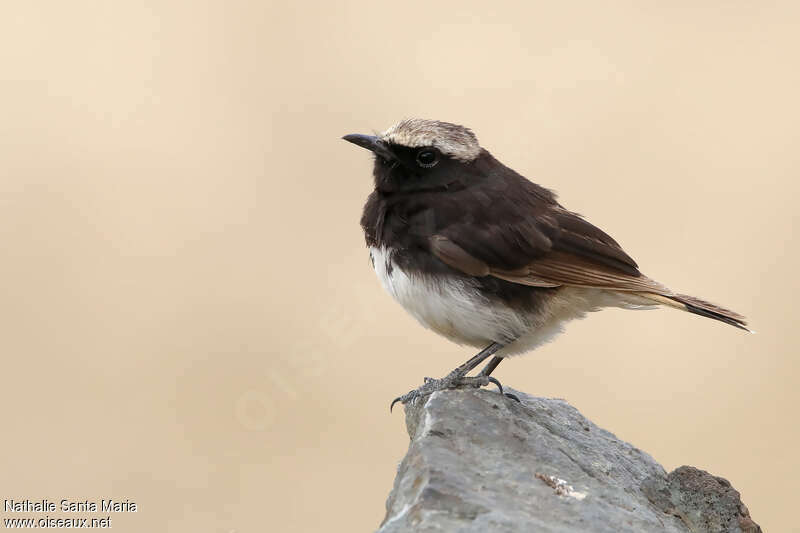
(478, 461)
(704, 502)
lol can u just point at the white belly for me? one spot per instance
(456, 309)
(452, 307)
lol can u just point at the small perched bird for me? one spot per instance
(485, 257)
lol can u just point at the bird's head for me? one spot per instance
(421, 155)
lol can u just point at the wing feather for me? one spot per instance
(552, 247)
(560, 268)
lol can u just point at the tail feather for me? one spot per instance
(700, 307)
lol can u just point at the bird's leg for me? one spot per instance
(456, 378)
(491, 365)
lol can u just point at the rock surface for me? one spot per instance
(481, 462)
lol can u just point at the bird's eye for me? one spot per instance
(427, 158)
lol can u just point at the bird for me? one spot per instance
(485, 257)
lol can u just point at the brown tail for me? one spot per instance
(700, 307)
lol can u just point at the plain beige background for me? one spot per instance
(189, 318)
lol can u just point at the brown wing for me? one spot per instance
(559, 268)
(552, 248)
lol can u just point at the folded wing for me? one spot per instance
(553, 247)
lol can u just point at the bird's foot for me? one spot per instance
(448, 382)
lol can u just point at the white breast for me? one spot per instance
(452, 307)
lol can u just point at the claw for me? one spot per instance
(512, 396)
(395, 401)
(493, 380)
(506, 394)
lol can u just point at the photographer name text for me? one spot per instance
(69, 506)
